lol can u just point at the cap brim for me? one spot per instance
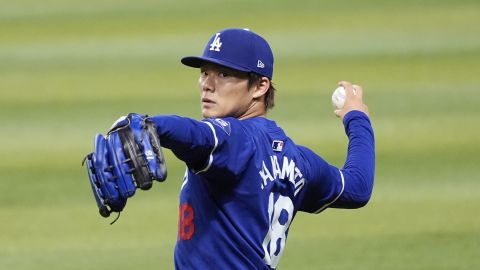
(196, 62)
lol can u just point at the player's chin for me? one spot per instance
(212, 113)
(209, 113)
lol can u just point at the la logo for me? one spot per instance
(216, 44)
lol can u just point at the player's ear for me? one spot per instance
(261, 87)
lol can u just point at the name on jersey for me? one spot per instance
(288, 170)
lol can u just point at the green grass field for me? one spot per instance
(68, 69)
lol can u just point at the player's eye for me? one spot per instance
(223, 74)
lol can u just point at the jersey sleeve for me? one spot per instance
(190, 140)
(359, 168)
(350, 186)
(214, 147)
(324, 183)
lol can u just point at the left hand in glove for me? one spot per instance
(129, 157)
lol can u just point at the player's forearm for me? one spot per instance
(190, 140)
(359, 167)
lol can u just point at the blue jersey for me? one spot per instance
(245, 181)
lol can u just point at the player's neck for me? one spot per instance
(256, 109)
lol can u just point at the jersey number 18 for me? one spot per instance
(280, 214)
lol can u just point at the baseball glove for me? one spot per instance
(129, 157)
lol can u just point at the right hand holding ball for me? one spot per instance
(348, 97)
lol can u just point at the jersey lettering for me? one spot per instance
(286, 170)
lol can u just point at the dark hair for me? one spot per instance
(254, 78)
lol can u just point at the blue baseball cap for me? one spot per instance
(239, 49)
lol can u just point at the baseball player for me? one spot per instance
(245, 178)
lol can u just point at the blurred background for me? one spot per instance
(68, 69)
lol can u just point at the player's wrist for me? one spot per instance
(354, 114)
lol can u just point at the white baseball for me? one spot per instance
(338, 97)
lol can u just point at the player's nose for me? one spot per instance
(207, 83)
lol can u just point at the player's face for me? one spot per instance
(224, 92)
